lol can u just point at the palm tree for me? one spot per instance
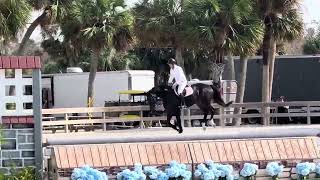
(52, 12)
(158, 23)
(245, 44)
(99, 24)
(210, 22)
(14, 15)
(282, 23)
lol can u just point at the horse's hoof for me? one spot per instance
(180, 131)
(211, 123)
(204, 127)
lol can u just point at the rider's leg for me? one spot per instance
(181, 87)
(183, 104)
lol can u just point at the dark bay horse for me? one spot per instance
(203, 95)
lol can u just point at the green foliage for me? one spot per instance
(101, 23)
(159, 23)
(26, 173)
(283, 16)
(14, 15)
(312, 45)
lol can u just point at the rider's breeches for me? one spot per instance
(181, 86)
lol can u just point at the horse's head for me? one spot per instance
(156, 94)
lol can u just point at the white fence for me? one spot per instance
(101, 115)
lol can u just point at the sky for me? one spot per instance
(309, 8)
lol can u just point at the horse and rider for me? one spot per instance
(180, 94)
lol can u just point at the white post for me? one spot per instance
(308, 114)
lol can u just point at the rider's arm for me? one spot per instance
(171, 76)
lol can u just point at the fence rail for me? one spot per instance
(66, 116)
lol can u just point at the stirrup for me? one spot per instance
(182, 106)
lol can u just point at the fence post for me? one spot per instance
(265, 111)
(182, 116)
(67, 125)
(189, 117)
(308, 114)
(104, 124)
(37, 115)
(141, 120)
(222, 119)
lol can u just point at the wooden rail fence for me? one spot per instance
(65, 116)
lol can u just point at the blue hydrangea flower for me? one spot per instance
(152, 172)
(212, 170)
(163, 176)
(274, 169)
(88, 173)
(248, 170)
(177, 170)
(305, 168)
(317, 169)
(137, 174)
(225, 170)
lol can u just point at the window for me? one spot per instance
(27, 90)
(10, 106)
(27, 105)
(10, 73)
(10, 90)
(26, 72)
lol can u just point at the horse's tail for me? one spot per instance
(218, 98)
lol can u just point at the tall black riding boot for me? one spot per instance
(183, 104)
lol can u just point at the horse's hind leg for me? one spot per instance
(180, 129)
(169, 117)
(211, 121)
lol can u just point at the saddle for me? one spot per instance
(188, 91)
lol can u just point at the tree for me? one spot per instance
(312, 44)
(159, 23)
(282, 22)
(14, 15)
(99, 24)
(52, 12)
(245, 43)
(211, 22)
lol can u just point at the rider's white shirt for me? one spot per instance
(177, 74)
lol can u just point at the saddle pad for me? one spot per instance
(186, 92)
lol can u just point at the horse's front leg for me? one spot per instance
(180, 129)
(204, 122)
(169, 117)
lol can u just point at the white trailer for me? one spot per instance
(70, 89)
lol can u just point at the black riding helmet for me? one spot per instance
(172, 61)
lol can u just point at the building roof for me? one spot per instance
(20, 62)
(161, 153)
(17, 120)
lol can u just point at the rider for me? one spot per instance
(176, 73)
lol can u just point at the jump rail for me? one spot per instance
(101, 117)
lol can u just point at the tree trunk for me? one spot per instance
(92, 75)
(179, 58)
(29, 32)
(267, 52)
(229, 68)
(241, 88)
(272, 60)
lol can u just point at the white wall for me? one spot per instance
(19, 98)
(70, 90)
